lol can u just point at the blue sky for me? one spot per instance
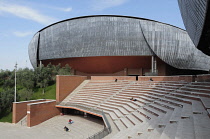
(21, 19)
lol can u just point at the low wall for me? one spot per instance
(66, 84)
(40, 112)
(185, 78)
(19, 109)
(203, 78)
(131, 78)
(120, 73)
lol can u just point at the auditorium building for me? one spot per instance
(119, 46)
(155, 106)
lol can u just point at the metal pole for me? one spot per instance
(155, 65)
(15, 83)
(152, 64)
(40, 64)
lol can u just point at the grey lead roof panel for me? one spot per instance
(117, 36)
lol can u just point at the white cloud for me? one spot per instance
(22, 34)
(64, 9)
(100, 5)
(26, 13)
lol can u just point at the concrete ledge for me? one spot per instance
(47, 101)
(30, 101)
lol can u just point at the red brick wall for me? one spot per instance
(132, 78)
(40, 112)
(158, 78)
(187, 78)
(66, 84)
(120, 73)
(20, 108)
(203, 78)
(103, 64)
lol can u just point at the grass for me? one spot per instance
(50, 93)
(1, 89)
(7, 117)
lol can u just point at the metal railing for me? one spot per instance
(101, 134)
(107, 129)
(23, 122)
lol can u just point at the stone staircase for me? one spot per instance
(23, 121)
(162, 110)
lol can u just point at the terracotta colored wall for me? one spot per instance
(103, 64)
(131, 78)
(135, 71)
(161, 67)
(20, 108)
(40, 112)
(66, 84)
(203, 78)
(120, 73)
(158, 78)
(186, 78)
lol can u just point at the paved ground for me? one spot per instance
(53, 129)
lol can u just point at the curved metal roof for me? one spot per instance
(108, 35)
(196, 17)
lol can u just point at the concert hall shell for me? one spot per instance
(111, 43)
(196, 17)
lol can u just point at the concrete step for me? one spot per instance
(169, 131)
(113, 126)
(140, 117)
(113, 116)
(133, 119)
(126, 122)
(120, 125)
(185, 127)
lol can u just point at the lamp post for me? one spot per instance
(15, 82)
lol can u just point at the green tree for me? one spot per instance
(6, 99)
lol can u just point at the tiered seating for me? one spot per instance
(162, 110)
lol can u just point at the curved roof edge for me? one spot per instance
(204, 41)
(107, 16)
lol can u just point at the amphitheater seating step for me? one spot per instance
(197, 106)
(134, 120)
(185, 129)
(206, 102)
(126, 122)
(176, 115)
(187, 110)
(118, 113)
(156, 133)
(146, 113)
(128, 108)
(169, 131)
(163, 109)
(201, 125)
(120, 125)
(113, 116)
(166, 118)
